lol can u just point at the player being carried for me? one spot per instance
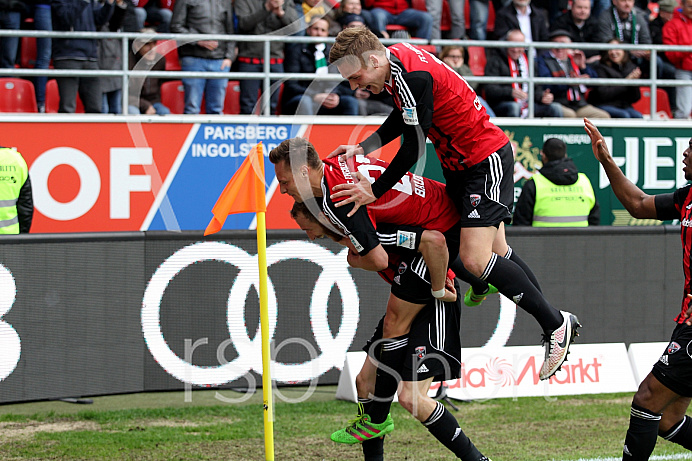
(435, 102)
(432, 352)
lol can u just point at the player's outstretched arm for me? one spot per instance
(637, 202)
(347, 150)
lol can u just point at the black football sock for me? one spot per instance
(513, 256)
(513, 282)
(479, 286)
(681, 433)
(391, 354)
(373, 449)
(641, 435)
(445, 428)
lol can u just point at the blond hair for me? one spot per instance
(355, 42)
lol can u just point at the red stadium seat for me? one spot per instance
(169, 49)
(17, 95)
(27, 56)
(476, 60)
(231, 104)
(53, 99)
(662, 103)
(173, 96)
(446, 19)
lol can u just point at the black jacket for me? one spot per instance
(562, 172)
(497, 65)
(506, 20)
(586, 34)
(78, 16)
(611, 95)
(300, 58)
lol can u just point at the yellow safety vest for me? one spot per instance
(13, 174)
(562, 206)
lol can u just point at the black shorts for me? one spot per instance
(484, 193)
(674, 368)
(405, 240)
(434, 343)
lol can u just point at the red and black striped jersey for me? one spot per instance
(413, 201)
(678, 205)
(433, 98)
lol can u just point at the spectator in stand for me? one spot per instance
(456, 15)
(204, 17)
(399, 12)
(532, 21)
(111, 58)
(665, 14)
(512, 99)
(558, 195)
(39, 10)
(310, 9)
(564, 63)
(678, 31)
(312, 97)
(276, 17)
(479, 13)
(581, 25)
(616, 100)
(354, 7)
(78, 53)
(135, 15)
(10, 19)
(455, 57)
(145, 93)
(629, 25)
(160, 13)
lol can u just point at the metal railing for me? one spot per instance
(533, 48)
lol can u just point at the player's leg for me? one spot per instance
(483, 195)
(502, 248)
(413, 396)
(675, 426)
(373, 449)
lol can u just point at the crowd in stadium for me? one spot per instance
(562, 21)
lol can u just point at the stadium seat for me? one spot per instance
(173, 96)
(27, 56)
(231, 104)
(169, 49)
(476, 60)
(17, 95)
(662, 103)
(53, 99)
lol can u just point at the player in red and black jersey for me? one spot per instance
(659, 406)
(429, 351)
(435, 102)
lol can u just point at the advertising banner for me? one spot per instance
(95, 177)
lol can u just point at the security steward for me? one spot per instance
(558, 195)
(16, 202)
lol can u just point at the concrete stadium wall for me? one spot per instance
(94, 314)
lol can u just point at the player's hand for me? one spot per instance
(450, 292)
(598, 144)
(347, 150)
(688, 314)
(359, 193)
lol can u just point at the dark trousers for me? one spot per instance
(89, 88)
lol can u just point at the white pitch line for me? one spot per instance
(670, 457)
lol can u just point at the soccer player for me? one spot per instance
(659, 406)
(432, 352)
(435, 102)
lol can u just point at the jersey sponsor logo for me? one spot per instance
(664, 359)
(474, 214)
(422, 369)
(355, 243)
(406, 239)
(673, 347)
(420, 352)
(410, 115)
(475, 199)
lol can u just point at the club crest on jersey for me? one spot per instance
(402, 267)
(673, 347)
(420, 352)
(410, 115)
(475, 199)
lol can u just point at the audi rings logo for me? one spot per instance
(332, 349)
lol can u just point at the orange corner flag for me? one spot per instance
(244, 193)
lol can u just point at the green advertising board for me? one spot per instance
(649, 153)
